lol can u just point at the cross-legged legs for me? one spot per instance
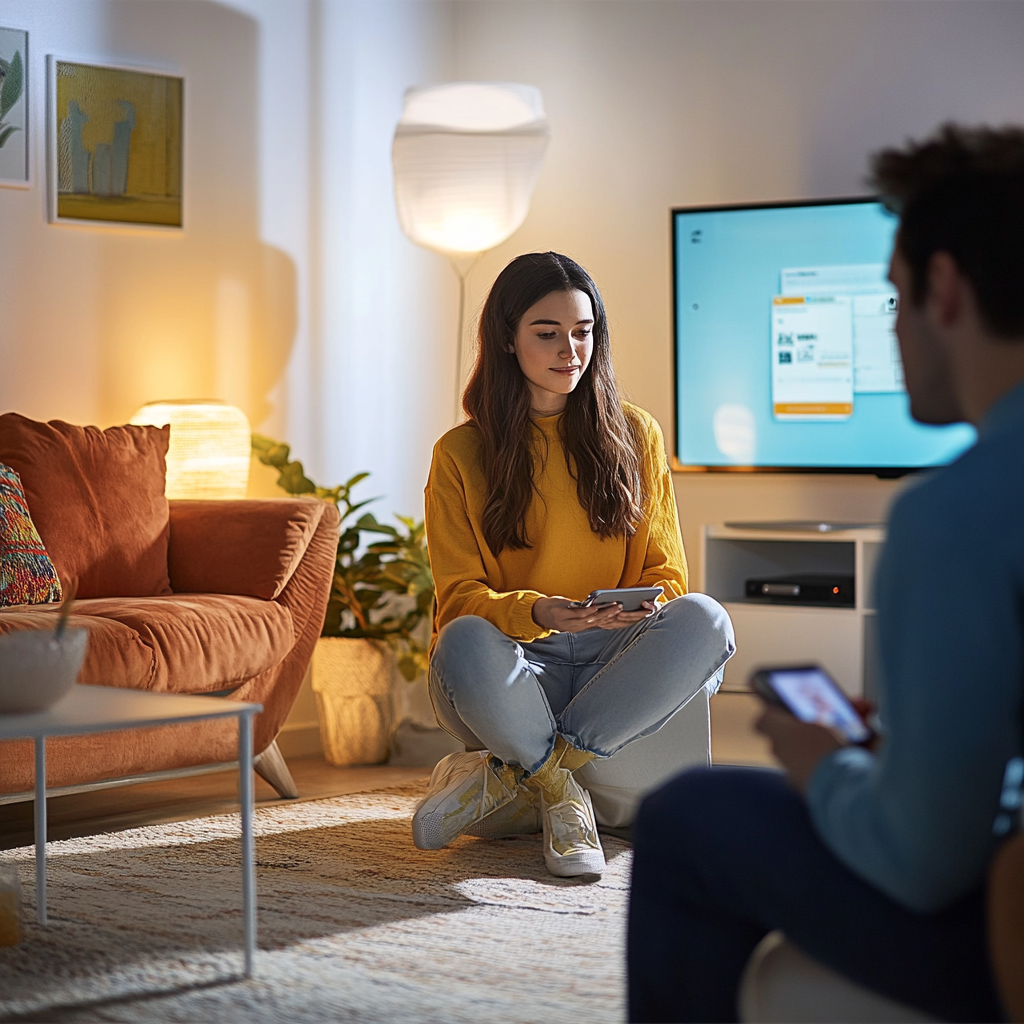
(542, 709)
(599, 688)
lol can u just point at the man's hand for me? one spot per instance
(799, 746)
(559, 613)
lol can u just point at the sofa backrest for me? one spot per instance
(97, 499)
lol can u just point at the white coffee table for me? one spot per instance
(93, 709)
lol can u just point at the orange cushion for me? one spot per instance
(197, 643)
(115, 656)
(97, 499)
(247, 547)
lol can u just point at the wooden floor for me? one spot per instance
(733, 741)
(151, 803)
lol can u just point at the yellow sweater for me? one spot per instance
(567, 558)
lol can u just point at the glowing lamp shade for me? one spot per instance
(209, 450)
(466, 157)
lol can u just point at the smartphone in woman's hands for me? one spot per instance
(632, 599)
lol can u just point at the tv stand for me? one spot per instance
(842, 640)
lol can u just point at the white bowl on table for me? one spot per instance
(37, 669)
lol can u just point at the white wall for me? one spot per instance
(385, 309)
(97, 320)
(656, 103)
(291, 291)
(374, 314)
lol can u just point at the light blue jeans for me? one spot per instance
(600, 688)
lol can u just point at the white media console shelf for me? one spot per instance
(840, 639)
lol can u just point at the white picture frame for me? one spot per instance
(99, 141)
(15, 123)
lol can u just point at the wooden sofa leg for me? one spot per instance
(270, 765)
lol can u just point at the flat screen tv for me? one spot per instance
(785, 349)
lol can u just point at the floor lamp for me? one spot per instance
(466, 156)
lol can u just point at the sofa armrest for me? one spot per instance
(249, 548)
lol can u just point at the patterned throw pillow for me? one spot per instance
(27, 575)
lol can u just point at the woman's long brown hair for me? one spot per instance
(602, 447)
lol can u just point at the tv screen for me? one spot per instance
(785, 348)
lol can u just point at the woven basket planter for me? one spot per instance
(352, 680)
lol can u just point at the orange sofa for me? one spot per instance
(201, 597)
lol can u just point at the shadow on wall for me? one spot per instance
(210, 311)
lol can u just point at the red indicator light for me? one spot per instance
(835, 590)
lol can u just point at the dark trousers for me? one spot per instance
(725, 855)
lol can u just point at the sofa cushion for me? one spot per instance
(197, 643)
(240, 547)
(115, 656)
(97, 500)
(27, 575)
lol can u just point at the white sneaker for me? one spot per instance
(519, 817)
(571, 845)
(463, 790)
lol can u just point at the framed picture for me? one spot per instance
(14, 147)
(115, 145)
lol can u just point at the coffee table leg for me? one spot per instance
(245, 789)
(40, 810)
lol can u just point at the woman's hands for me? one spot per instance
(567, 617)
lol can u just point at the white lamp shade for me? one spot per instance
(210, 447)
(466, 157)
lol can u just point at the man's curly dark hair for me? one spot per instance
(961, 191)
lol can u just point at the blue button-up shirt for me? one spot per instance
(916, 819)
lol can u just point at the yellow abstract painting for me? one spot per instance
(117, 145)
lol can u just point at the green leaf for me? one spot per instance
(261, 445)
(294, 481)
(409, 668)
(367, 521)
(10, 91)
(384, 547)
(360, 504)
(278, 456)
(5, 133)
(331, 494)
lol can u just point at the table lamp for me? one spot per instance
(209, 450)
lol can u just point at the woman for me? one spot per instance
(552, 489)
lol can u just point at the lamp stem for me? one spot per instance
(462, 270)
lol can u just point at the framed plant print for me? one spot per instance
(14, 123)
(115, 145)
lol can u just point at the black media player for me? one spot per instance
(803, 588)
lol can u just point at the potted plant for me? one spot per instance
(381, 598)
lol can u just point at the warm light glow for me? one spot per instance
(209, 450)
(466, 157)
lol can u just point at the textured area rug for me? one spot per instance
(355, 924)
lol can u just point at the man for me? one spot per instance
(874, 862)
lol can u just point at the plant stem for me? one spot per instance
(352, 600)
